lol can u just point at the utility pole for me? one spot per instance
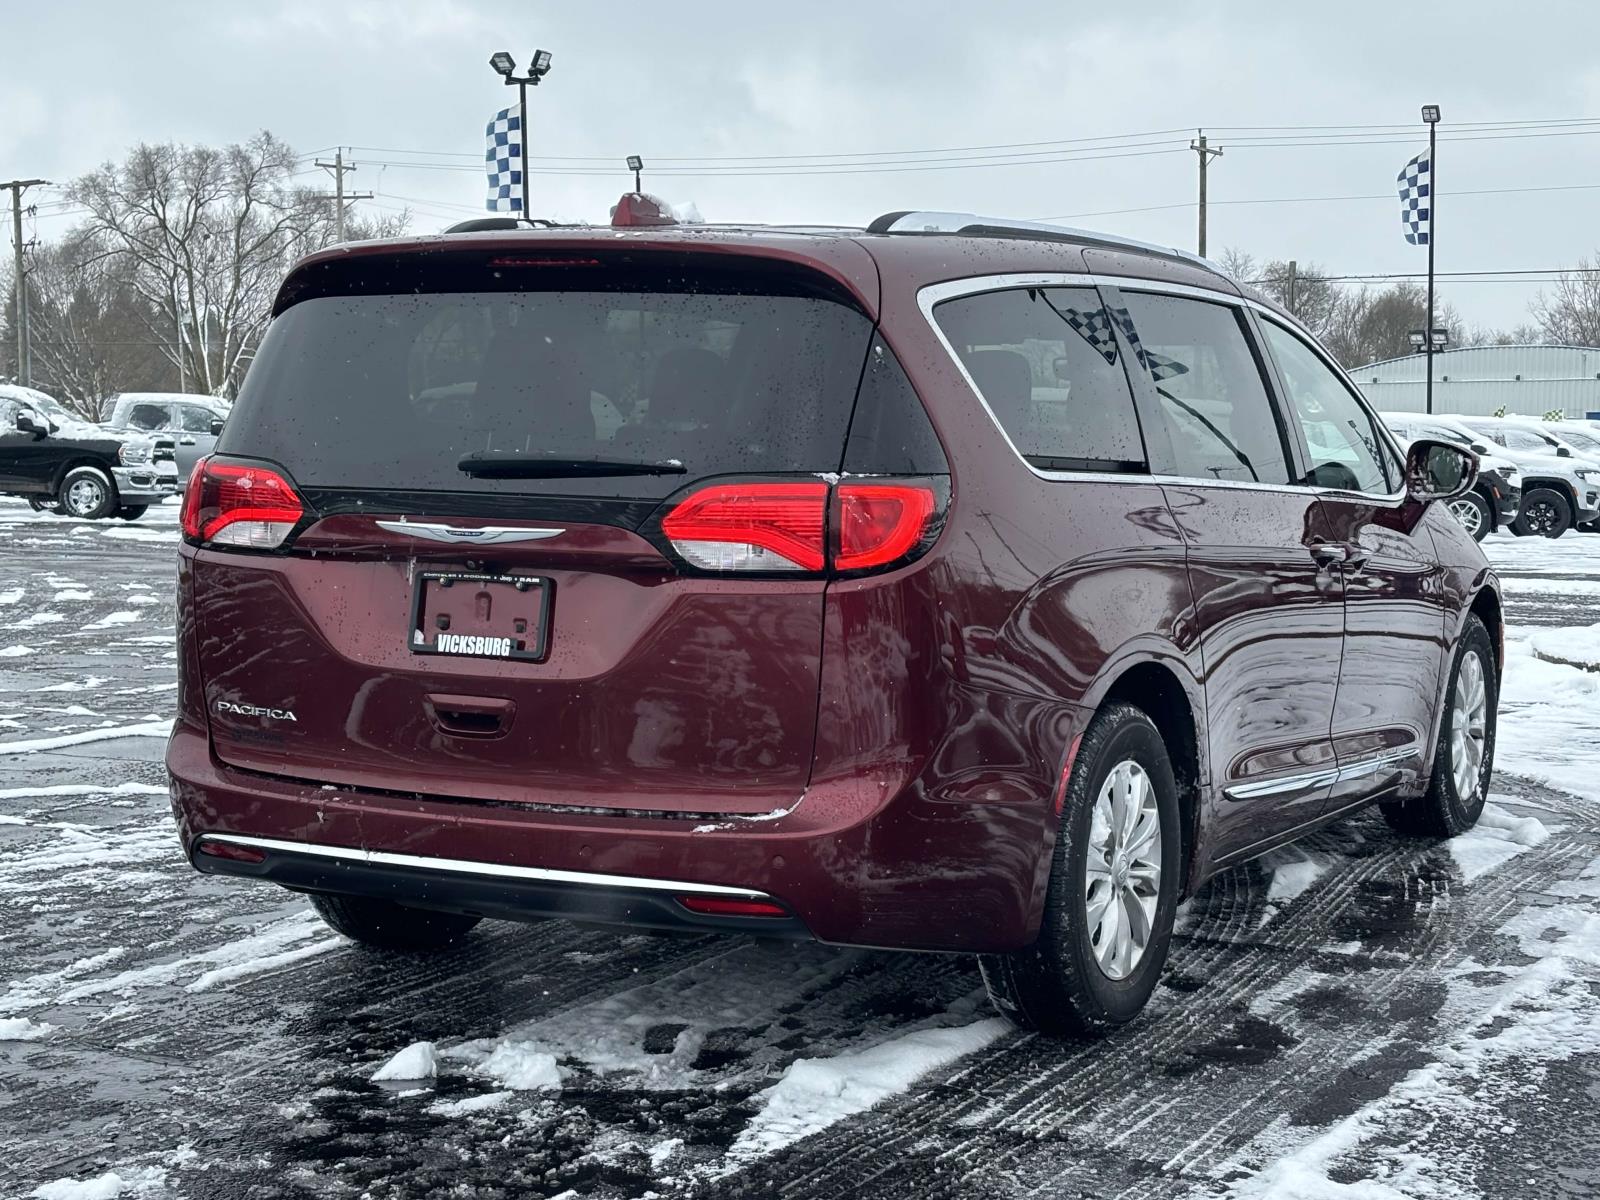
(1289, 290)
(20, 287)
(338, 167)
(1206, 155)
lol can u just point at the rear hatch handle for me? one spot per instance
(469, 716)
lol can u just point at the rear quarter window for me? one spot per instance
(1049, 368)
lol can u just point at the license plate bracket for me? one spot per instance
(470, 615)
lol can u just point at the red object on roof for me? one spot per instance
(641, 208)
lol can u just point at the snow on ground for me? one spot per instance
(417, 1061)
(816, 1092)
(20, 1029)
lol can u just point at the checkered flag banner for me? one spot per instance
(1159, 365)
(1093, 327)
(503, 160)
(1416, 199)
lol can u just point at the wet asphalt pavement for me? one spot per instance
(1399, 1018)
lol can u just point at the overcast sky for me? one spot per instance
(84, 81)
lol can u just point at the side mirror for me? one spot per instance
(216, 427)
(1563, 452)
(26, 424)
(1439, 471)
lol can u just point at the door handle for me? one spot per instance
(1329, 553)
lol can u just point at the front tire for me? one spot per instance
(87, 493)
(1545, 513)
(1473, 512)
(1463, 757)
(385, 925)
(1112, 893)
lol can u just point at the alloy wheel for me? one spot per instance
(1468, 727)
(85, 496)
(1541, 518)
(1469, 514)
(1122, 879)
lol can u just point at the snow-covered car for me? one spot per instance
(56, 460)
(1495, 498)
(192, 421)
(1560, 489)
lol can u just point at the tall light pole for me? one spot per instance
(636, 165)
(1430, 117)
(506, 67)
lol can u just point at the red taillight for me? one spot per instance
(751, 527)
(239, 504)
(880, 522)
(719, 906)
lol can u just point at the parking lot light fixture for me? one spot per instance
(635, 164)
(506, 67)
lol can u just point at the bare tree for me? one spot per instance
(1570, 314)
(90, 329)
(204, 236)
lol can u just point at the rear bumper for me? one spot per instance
(491, 890)
(856, 862)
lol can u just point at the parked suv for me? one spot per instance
(1495, 498)
(943, 585)
(192, 422)
(58, 461)
(1560, 489)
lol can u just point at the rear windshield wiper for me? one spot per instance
(489, 465)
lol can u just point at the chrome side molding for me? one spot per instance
(1323, 776)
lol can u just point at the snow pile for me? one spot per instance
(1572, 647)
(16, 651)
(523, 1067)
(420, 1060)
(20, 1029)
(815, 1093)
(1498, 837)
(470, 1105)
(1549, 720)
(141, 1181)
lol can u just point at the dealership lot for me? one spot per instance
(1326, 1011)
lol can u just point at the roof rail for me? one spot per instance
(490, 224)
(973, 225)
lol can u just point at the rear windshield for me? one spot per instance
(393, 391)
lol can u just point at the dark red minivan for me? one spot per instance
(949, 584)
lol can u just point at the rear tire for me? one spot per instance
(1473, 513)
(385, 925)
(132, 512)
(87, 493)
(1545, 512)
(1462, 765)
(1107, 923)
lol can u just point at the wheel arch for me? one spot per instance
(1162, 687)
(82, 460)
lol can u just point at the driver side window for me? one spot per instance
(1341, 436)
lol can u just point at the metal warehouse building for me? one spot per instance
(1477, 380)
